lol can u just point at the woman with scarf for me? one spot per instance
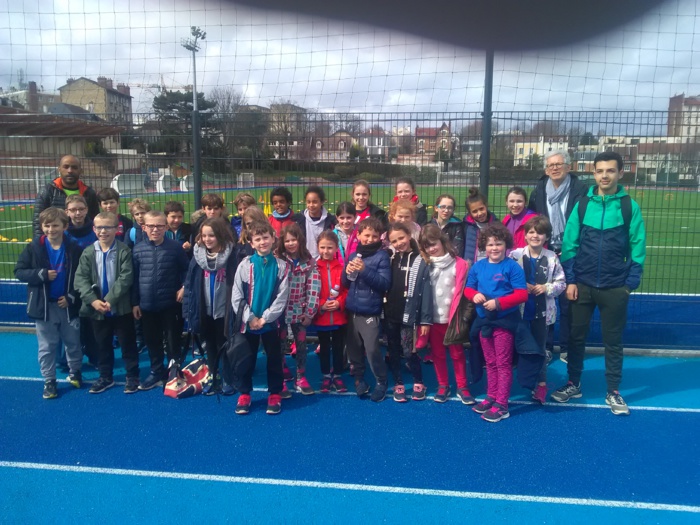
(315, 218)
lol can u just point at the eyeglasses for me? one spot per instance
(556, 166)
(104, 228)
(446, 208)
(76, 210)
(155, 226)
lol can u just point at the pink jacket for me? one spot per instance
(462, 269)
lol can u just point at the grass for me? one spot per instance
(672, 225)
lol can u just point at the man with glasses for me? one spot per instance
(67, 183)
(555, 196)
(160, 267)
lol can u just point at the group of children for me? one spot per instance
(260, 280)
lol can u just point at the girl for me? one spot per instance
(478, 217)
(405, 212)
(345, 231)
(406, 191)
(450, 225)
(363, 207)
(408, 307)
(518, 215)
(315, 218)
(331, 319)
(207, 299)
(545, 281)
(448, 273)
(497, 286)
(304, 289)
(250, 215)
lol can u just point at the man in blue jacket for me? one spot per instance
(160, 267)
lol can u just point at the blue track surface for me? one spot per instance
(151, 451)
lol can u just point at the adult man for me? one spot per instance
(603, 257)
(555, 196)
(67, 183)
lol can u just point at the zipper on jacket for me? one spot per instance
(600, 244)
(330, 287)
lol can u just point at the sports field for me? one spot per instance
(670, 216)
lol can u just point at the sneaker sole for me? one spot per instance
(242, 411)
(617, 411)
(401, 400)
(146, 388)
(468, 402)
(562, 400)
(309, 392)
(273, 411)
(379, 400)
(102, 389)
(54, 396)
(504, 416)
(131, 391)
(75, 384)
(418, 398)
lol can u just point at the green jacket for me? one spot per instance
(119, 295)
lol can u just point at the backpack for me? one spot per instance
(625, 207)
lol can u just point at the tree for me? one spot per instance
(350, 122)
(173, 111)
(290, 128)
(588, 139)
(228, 103)
(548, 128)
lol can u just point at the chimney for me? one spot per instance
(108, 83)
(32, 97)
(102, 81)
(124, 89)
(70, 80)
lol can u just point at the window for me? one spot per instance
(520, 151)
(582, 156)
(581, 166)
(341, 144)
(319, 144)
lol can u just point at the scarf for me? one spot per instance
(314, 227)
(414, 199)
(219, 261)
(367, 250)
(279, 216)
(555, 196)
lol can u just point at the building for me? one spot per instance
(32, 99)
(335, 148)
(684, 117)
(100, 98)
(529, 150)
(429, 140)
(375, 142)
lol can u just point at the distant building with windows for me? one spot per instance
(100, 98)
(684, 117)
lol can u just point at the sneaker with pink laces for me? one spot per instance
(400, 394)
(339, 385)
(274, 404)
(303, 386)
(286, 393)
(540, 394)
(243, 405)
(326, 385)
(419, 392)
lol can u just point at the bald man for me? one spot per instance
(67, 183)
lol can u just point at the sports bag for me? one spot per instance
(188, 381)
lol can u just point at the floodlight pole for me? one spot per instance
(486, 126)
(191, 45)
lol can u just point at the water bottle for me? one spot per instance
(335, 292)
(353, 276)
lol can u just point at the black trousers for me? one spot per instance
(158, 327)
(104, 331)
(212, 333)
(245, 365)
(332, 343)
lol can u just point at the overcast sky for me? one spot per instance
(330, 65)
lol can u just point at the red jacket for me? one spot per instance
(519, 235)
(331, 272)
(278, 224)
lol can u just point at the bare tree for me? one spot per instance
(228, 103)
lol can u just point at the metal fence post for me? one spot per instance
(485, 163)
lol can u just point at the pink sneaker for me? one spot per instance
(303, 386)
(339, 385)
(285, 394)
(540, 394)
(326, 385)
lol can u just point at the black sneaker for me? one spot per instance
(102, 384)
(132, 385)
(50, 389)
(213, 387)
(76, 379)
(379, 392)
(568, 391)
(361, 388)
(442, 394)
(151, 381)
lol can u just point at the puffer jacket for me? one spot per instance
(454, 229)
(519, 235)
(419, 296)
(366, 293)
(331, 275)
(601, 253)
(32, 268)
(538, 197)
(471, 236)
(304, 291)
(53, 195)
(159, 272)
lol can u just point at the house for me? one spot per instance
(32, 99)
(684, 117)
(527, 149)
(375, 142)
(429, 140)
(335, 148)
(100, 98)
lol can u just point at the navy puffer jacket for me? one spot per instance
(159, 272)
(366, 293)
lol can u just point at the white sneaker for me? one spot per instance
(617, 404)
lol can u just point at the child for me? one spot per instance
(345, 231)
(408, 308)
(48, 265)
(405, 212)
(545, 281)
(242, 202)
(261, 288)
(331, 318)
(104, 280)
(315, 218)
(160, 268)
(304, 290)
(367, 275)
(444, 217)
(208, 291)
(282, 213)
(363, 207)
(406, 190)
(448, 273)
(212, 206)
(80, 227)
(497, 286)
(138, 209)
(518, 215)
(477, 218)
(177, 230)
(109, 201)
(243, 246)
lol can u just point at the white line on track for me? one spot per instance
(353, 487)
(454, 398)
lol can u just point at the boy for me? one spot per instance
(603, 255)
(177, 229)
(80, 227)
(48, 265)
(367, 276)
(109, 201)
(138, 209)
(160, 267)
(261, 288)
(212, 206)
(104, 279)
(282, 213)
(242, 202)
